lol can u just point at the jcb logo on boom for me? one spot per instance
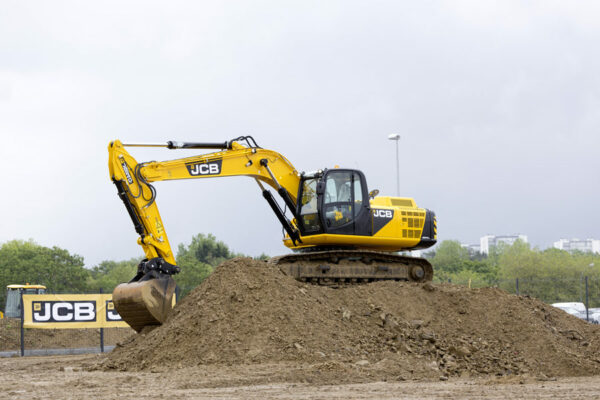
(64, 311)
(126, 171)
(204, 168)
(388, 214)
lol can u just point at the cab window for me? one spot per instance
(338, 187)
(13, 304)
(308, 206)
(338, 199)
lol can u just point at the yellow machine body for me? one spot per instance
(404, 231)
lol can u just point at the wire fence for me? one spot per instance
(583, 290)
(58, 341)
(16, 341)
(549, 290)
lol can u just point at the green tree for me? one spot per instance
(207, 249)
(198, 259)
(28, 262)
(452, 262)
(450, 257)
(262, 257)
(550, 275)
(108, 274)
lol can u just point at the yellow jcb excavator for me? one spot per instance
(340, 232)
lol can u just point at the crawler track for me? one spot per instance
(341, 267)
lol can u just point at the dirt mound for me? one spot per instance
(247, 311)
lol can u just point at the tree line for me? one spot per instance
(62, 272)
(551, 275)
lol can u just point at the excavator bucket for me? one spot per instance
(144, 303)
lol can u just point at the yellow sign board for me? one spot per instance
(70, 311)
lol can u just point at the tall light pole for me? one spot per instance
(396, 137)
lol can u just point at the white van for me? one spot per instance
(578, 310)
(579, 307)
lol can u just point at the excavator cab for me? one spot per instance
(335, 202)
(13, 298)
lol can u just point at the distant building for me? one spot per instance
(584, 245)
(489, 241)
(473, 248)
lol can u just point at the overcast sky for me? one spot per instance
(497, 105)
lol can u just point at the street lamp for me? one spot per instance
(396, 137)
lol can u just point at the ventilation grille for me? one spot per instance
(412, 224)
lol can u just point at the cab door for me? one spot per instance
(344, 203)
(13, 303)
(308, 209)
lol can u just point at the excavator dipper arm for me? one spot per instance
(147, 298)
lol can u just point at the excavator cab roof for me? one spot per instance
(26, 286)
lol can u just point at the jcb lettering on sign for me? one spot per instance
(111, 313)
(204, 168)
(383, 213)
(70, 311)
(63, 311)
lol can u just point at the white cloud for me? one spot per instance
(496, 102)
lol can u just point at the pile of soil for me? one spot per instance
(249, 312)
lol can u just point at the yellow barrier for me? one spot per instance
(70, 311)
